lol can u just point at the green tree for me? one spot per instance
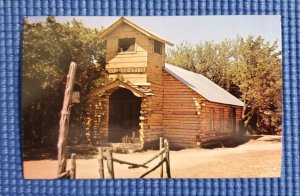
(48, 49)
(183, 56)
(257, 72)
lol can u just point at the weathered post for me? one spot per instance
(73, 166)
(100, 160)
(110, 164)
(161, 145)
(167, 147)
(64, 120)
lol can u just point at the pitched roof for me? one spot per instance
(136, 90)
(203, 86)
(122, 20)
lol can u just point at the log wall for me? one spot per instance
(181, 123)
(218, 132)
(95, 116)
(155, 118)
(186, 115)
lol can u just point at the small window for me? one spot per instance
(221, 119)
(212, 119)
(126, 45)
(157, 47)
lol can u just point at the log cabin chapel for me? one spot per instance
(147, 98)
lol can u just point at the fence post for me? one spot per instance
(110, 163)
(73, 166)
(161, 145)
(100, 160)
(167, 147)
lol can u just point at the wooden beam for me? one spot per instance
(154, 168)
(154, 157)
(133, 165)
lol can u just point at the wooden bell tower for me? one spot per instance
(133, 53)
(135, 58)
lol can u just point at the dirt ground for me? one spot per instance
(256, 158)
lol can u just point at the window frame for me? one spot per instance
(119, 48)
(161, 47)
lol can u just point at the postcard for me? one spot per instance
(152, 97)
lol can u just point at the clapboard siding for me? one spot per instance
(138, 58)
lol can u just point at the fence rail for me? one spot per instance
(163, 154)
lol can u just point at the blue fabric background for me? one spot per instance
(11, 19)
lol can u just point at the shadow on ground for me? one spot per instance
(81, 151)
(39, 153)
(85, 151)
(234, 141)
(229, 142)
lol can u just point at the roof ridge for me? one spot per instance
(137, 27)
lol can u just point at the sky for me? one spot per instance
(193, 29)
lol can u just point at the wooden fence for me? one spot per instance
(163, 155)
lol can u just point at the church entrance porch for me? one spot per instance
(118, 114)
(124, 113)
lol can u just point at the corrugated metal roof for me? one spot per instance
(202, 85)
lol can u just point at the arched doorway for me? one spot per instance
(124, 113)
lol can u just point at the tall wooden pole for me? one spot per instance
(64, 120)
(161, 146)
